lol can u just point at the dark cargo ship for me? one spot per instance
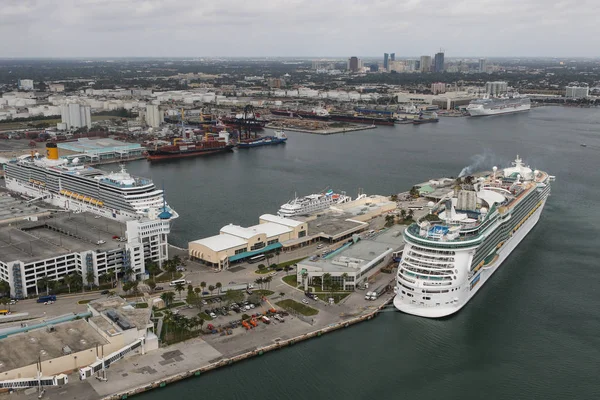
(363, 119)
(183, 148)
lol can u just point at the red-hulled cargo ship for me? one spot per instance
(183, 148)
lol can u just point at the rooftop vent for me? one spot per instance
(66, 350)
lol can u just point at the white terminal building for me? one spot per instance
(353, 263)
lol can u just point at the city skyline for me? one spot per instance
(305, 28)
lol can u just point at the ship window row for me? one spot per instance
(435, 291)
(404, 277)
(429, 257)
(487, 247)
(430, 260)
(424, 274)
(416, 262)
(433, 251)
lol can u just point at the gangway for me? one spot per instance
(57, 380)
(105, 362)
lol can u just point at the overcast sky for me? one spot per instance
(196, 28)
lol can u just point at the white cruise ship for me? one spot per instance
(498, 105)
(312, 203)
(449, 255)
(73, 186)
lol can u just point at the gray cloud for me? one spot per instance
(197, 28)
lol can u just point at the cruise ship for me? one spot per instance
(451, 253)
(76, 187)
(498, 105)
(311, 204)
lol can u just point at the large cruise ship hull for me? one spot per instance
(71, 204)
(483, 112)
(465, 293)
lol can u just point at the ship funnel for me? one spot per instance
(51, 151)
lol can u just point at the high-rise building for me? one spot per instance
(76, 115)
(496, 88)
(577, 92)
(386, 60)
(25, 84)
(410, 65)
(438, 87)
(153, 116)
(393, 57)
(425, 63)
(482, 65)
(353, 64)
(439, 62)
(373, 67)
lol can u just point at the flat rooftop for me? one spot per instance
(333, 225)
(139, 317)
(362, 252)
(24, 349)
(56, 235)
(99, 145)
(12, 206)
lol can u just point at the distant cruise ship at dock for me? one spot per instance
(469, 233)
(498, 105)
(73, 186)
(313, 203)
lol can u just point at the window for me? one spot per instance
(302, 233)
(273, 241)
(240, 251)
(257, 246)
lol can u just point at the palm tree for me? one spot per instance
(89, 277)
(258, 282)
(411, 213)
(218, 285)
(179, 288)
(403, 214)
(268, 280)
(200, 321)
(5, 288)
(177, 261)
(203, 285)
(127, 272)
(287, 269)
(151, 284)
(326, 280)
(211, 288)
(304, 276)
(277, 253)
(43, 283)
(344, 277)
(167, 297)
(198, 291)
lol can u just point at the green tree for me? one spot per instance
(151, 284)
(287, 269)
(43, 282)
(411, 213)
(394, 197)
(179, 288)
(193, 300)
(389, 220)
(277, 253)
(234, 296)
(5, 301)
(203, 285)
(211, 288)
(218, 285)
(268, 280)
(344, 277)
(152, 268)
(261, 267)
(127, 286)
(89, 277)
(259, 282)
(171, 268)
(134, 286)
(403, 214)
(4, 288)
(168, 298)
(200, 321)
(273, 266)
(127, 272)
(326, 280)
(198, 291)
(334, 288)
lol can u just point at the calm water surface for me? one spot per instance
(531, 333)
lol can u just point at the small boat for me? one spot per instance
(583, 145)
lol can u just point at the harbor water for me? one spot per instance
(530, 333)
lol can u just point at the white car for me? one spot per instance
(100, 242)
(251, 305)
(96, 217)
(304, 301)
(213, 315)
(247, 308)
(316, 297)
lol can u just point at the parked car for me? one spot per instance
(212, 315)
(105, 292)
(159, 288)
(304, 301)
(204, 302)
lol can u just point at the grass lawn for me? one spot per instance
(262, 271)
(291, 262)
(166, 277)
(337, 297)
(263, 292)
(290, 280)
(292, 305)
(141, 305)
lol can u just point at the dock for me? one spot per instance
(325, 131)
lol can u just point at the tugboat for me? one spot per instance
(433, 117)
(278, 138)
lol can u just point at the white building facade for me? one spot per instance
(577, 92)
